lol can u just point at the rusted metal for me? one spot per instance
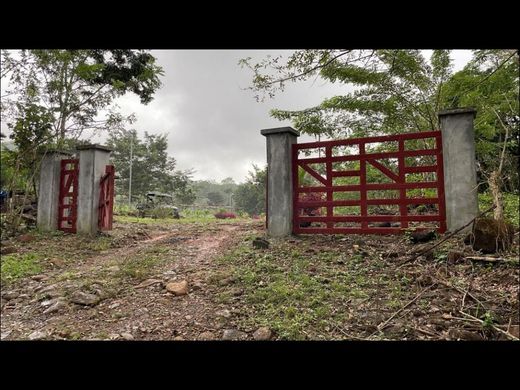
(325, 186)
(68, 196)
(106, 199)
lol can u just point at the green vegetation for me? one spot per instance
(400, 91)
(250, 196)
(511, 206)
(16, 266)
(139, 267)
(152, 168)
(295, 294)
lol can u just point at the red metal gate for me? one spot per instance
(340, 165)
(106, 199)
(68, 197)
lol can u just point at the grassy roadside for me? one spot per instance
(304, 292)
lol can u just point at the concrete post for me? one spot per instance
(49, 190)
(279, 180)
(92, 162)
(460, 168)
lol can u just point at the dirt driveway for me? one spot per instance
(119, 292)
(149, 280)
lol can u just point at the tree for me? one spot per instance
(250, 196)
(215, 198)
(489, 82)
(152, 168)
(73, 86)
(396, 91)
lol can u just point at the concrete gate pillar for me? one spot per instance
(92, 162)
(279, 180)
(460, 168)
(49, 190)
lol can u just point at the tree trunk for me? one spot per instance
(494, 186)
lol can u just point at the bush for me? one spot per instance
(225, 215)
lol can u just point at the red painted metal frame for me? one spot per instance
(106, 199)
(399, 184)
(68, 195)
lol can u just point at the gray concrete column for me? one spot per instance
(92, 162)
(279, 180)
(460, 166)
(49, 190)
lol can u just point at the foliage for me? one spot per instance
(152, 168)
(71, 87)
(490, 83)
(396, 91)
(215, 198)
(212, 193)
(14, 267)
(511, 206)
(250, 196)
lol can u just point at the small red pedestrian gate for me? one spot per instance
(106, 199)
(404, 165)
(68, 195)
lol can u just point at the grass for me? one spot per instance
(140, 266)
(188, 217)
(283, 292)
(14, 267)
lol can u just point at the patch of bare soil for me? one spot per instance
(109, 296)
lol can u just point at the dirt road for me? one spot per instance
(123, 289)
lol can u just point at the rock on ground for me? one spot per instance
(57, 306)
(233, 334)
(207, 336)
(178, 288)
(262, 333)
(83, 298)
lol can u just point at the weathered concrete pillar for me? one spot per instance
(92, 162)
(460, 167)
(49, 190)
(279, 180)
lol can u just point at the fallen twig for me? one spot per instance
(493, 326)
(445, 238)
(488, 259)
(383, 324)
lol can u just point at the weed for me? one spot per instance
(17, 266)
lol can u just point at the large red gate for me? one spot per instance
(68, 197)
(106, 199)
(345, 167)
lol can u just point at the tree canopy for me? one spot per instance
(396, 91)
(152, 168)
(71, 87)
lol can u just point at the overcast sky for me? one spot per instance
(213, 124)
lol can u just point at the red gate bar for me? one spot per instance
(106, 199)
(399, 183)
(68, 196)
